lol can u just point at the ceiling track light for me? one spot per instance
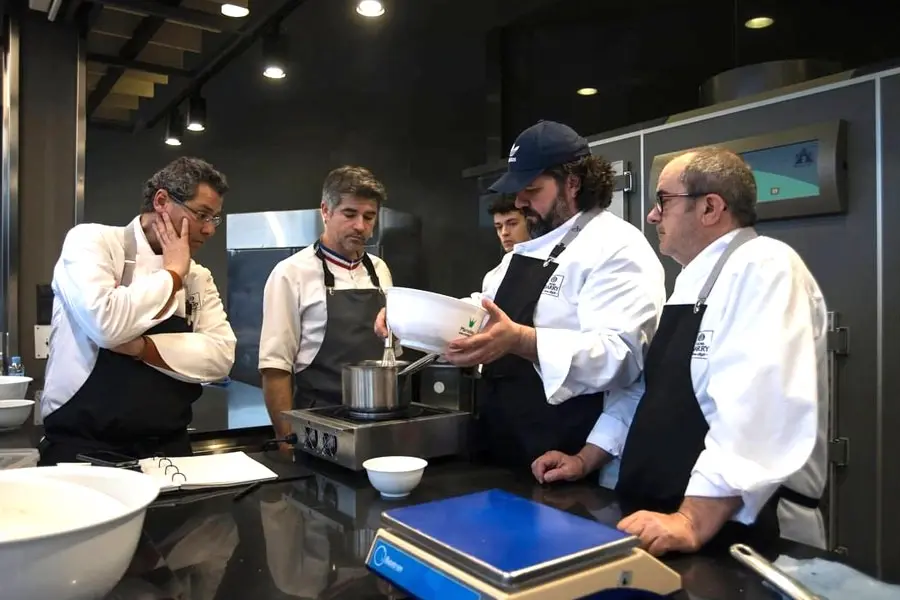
(758, 22)
(370, 8)
(275, 55)
(235, 9)
(174, 129)
(196, 116)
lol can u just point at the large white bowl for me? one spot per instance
(77, 533)
(395, 476)
(429, 322)
(13, 413)
(13, 386)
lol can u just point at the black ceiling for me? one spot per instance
(648, 59)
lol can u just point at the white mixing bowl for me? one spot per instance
(13, 386)
(69, 533)
(395, 476)
(13, 413)
(429, 322)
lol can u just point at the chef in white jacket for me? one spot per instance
(137, 326)
(726, 439)
(511, 227)
(319, 304)
(571, 311)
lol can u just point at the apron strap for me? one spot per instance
(579, 225)
(743, 236)
(130, 255)
(370, 269)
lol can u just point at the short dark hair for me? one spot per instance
(719, 171)
(503, 204)
(597, 180)
(356, 181)
(180, 179)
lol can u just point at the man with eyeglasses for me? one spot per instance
(137, 326)
(726, 438)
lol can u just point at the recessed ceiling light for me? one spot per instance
(173, 141)
(370, 8)
(274, 73)
(759, 22)
(587, 91)
(235, 10)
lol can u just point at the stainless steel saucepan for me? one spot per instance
(373, 386)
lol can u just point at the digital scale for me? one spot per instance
(497, 545)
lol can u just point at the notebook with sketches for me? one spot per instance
(213, 470)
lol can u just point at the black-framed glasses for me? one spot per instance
(662, 197)
(216, 220)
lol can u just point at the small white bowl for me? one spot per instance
(395, 476)
(13, 413)
(13, 386)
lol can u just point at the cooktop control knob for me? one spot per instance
(312, 439)
(329, 444)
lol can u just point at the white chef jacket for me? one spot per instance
(760, 379)
(91, 312)
(488, 280)
(294, 311)
(597, 314)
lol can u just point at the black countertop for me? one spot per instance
(308, 537)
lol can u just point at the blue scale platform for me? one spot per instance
(506, 539)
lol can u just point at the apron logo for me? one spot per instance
(702, 345)
(554, 284)
(193, 304)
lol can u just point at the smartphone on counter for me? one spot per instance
(105, 458)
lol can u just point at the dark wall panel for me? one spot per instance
(840, 252)
(47, 142)
(890, 418)
(629, 151)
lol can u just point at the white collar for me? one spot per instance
(549, 238)
(143, 244)
(699, 268)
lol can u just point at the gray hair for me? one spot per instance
(180, 179)
(719, 171)
(356, 181)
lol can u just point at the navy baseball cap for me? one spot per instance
(542, 146)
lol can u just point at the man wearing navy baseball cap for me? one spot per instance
(572, 310)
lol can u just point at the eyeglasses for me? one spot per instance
(216, 220)
(662, 197)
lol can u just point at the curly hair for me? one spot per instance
(597, 180)
(180, 179)
(503, 204)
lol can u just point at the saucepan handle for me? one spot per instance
(780, 580)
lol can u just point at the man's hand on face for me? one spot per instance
(176, 248)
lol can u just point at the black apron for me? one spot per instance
(669, 430)
(125, 405)
(349, 337)
(516, 424)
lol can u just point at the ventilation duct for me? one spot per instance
(763, 77)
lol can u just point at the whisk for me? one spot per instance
(388, 359)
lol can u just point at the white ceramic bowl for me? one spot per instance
(429, 322)
(395, 476)
(69, 533)
(13, 413)
(12, 386)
